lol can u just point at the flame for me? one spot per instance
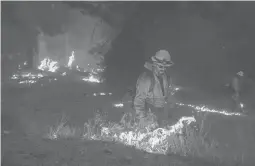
(48, 64)
(15, 76)
(102, 94)
(142, 134)
(119, 105)
(30, 77)
(78, 68)
(63, 74)
(148, 139)
(70, 61)
(92, 79)
(22, 65)
(97, 70)
(206, 109)
(145, 134)
(202, 108)
(27, 75)
(93, 71)
(241, 105)
(27, 82)
(155, 141)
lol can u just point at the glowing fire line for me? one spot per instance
(202, 108)
(206, 109)
(30, 77)
(152, 141)
(155, 141)
(148, 138)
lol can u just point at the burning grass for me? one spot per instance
(62, 130)
(187, 137)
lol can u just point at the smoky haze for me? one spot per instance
(20, 23)
(208, 41)
(88, 27)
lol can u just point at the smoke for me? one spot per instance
(21, 21)
(208, 41)
(89, 33)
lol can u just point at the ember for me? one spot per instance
(92, 79)
(102, 94)
(145, 134)
(27, 82)
(26, 78)
(27, 75)
(63, 74)
(148, 138)
(119, 105)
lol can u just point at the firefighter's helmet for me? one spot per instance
(162, 57)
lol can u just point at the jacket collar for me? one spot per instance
(148, 66)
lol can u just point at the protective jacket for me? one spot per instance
(150, 91)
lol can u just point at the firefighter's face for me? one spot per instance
(160, 69)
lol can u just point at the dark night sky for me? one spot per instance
(208, 40)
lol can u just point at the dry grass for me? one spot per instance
(193, 142)
(61, 130)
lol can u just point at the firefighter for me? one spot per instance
(153, 87)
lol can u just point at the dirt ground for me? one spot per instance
(27, 114)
